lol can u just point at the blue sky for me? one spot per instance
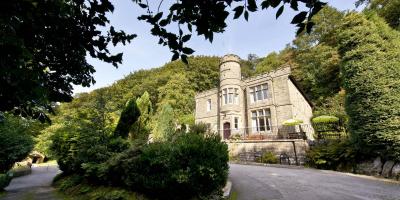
(263, 34)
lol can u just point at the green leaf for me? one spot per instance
(274, 3)
(265, 4)
(175, 6)
(142, 5)
(294, 5)
(252, 6)
(163, 22)
(184, 58)
(299, 17)
(238, 11)
(157, 16)
(279, 12)
(301, 28)
(175, 56)
(186, 38)
(246, 15)
(187, 50)
(309, 27)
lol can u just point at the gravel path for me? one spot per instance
(269, 183)
(36, 185)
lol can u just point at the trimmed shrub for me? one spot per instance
(269, 157)
(328, 127)
(325, 119)
(190, 166)
(292, 122)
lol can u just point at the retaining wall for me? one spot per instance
(251, 150)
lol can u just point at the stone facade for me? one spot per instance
(252, 106)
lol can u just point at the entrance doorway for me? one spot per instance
(227, 130)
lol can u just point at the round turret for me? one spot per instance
(229, 68)
(230, 83)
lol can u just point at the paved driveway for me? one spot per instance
(268, 183)
(36, 185)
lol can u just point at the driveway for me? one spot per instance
(269, 183)
(36, 185)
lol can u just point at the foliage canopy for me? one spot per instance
(15, 141)
(371, 67)
(44, 46)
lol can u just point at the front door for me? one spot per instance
(227, 130)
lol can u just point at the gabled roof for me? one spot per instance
(291, 78)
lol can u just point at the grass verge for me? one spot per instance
(233, 196)
(75, 187)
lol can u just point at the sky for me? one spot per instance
(261, 35)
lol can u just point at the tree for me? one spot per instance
(15, 141)
(178, 94)
(142, 125)
(82, 133)
(316, 61)
(209, 17)
(164, 123)
(370, 68)
(271, 62)
(326, 23)
(128, 117)
(44, 46)
(318, 68)
(44, 43)
(388, 9)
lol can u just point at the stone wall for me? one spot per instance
(301, 109)
(387, 169)
(202, 114)
(250, 150)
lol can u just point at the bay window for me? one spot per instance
(230, 96)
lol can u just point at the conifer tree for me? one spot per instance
(164, 123)
(129, 116)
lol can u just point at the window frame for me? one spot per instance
(259, 93)
(208, 105)
(236, 123)
(230, 96)
(261, 120)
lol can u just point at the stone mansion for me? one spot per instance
(253, 106)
